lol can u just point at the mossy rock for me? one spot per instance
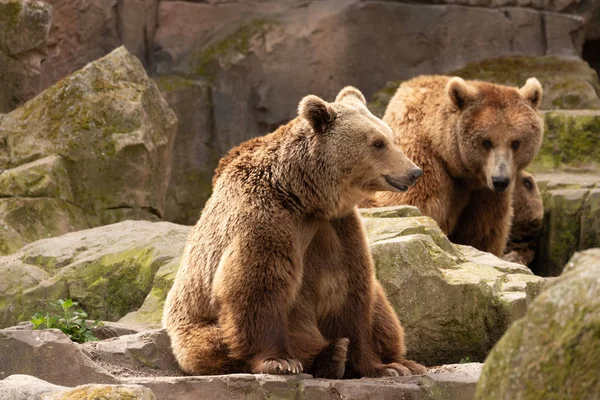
(46, 177)
(571, 142)
(109, 270)
(453, 301)
(204, 63)
(111, 126)
(25, 220)
(553, 352)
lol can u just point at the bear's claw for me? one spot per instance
(278, 366)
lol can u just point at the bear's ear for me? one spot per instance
(317, 112)
(532, 92)
(459, 92)
(350, 91)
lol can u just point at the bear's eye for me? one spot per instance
(528, 184)
(487, 144)
(515, 145)
(379, 144)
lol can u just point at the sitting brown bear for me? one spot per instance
(527, 220)
(277, 276)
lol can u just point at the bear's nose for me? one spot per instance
(500, 183)
(415, 174)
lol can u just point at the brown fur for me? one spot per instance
(527, 220)
(277, 276)
(442, 123)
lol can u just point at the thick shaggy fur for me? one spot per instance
(527, 220)
(465, 136)
(277, 276)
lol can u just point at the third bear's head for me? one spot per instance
(354, 146)
(498, 128)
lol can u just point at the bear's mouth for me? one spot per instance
(396, 183)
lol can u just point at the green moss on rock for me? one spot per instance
(237, 43)
(571, 142)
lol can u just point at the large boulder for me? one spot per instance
(24, 27)
(100, 140)
(109, 270)
(553, 352)
(454, 302)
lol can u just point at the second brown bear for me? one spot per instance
(471, 139)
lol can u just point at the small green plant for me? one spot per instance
(465, 360)
(70, 320)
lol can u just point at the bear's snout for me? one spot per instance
(415, 174)
(500, 183)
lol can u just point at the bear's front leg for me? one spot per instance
(354, 320)
(255, 287)
(485, 222)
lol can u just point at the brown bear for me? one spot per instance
(527, 220)
(277, 276)
(471, 139)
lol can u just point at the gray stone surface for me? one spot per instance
(49, 355)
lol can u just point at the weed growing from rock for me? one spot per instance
(70, 320)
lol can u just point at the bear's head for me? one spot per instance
(354, 147)
(528, 207)
(498, 129)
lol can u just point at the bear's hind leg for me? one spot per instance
(388, 336)
(200, 350)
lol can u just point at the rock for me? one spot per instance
(24, 220)
(150, 313)
(25, 387)
(453, 301)
(195, 150)
(553, 351)
(149, 349)
(46, 177)
(49, 355)
(108, 270)
(571, 219)
(571, 142)
(451, 382)
(110, 329)
(24, 27)
(390, 212)
(112, 128)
